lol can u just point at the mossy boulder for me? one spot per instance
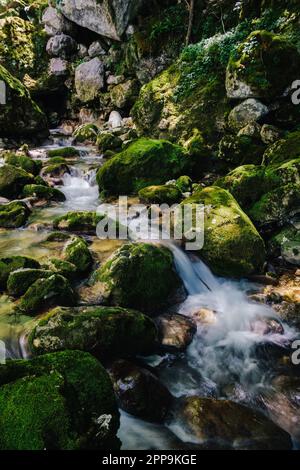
(45, 292)
(63, 267)
(43, 192)
(20, 116)
(24, 162)
(276, 207)
(139, 275)
(144, 163)
(164, 194)
(79, 221)
(10, 264)
(14, 214)
(232, 245)
(76, 252)
(107, 141)
(55, 170)
(229, 425)
(61, 401)
(125, 94)
(103, 331)
(184, 184)
(263, 66)
(86, 133)
(13, 180)
(64, 152)
(284, 150)
(286, 244)
(21, 279)
(239, 150)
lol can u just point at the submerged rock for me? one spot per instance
(228, 425)
(103, 331)
(67, 403)
(232, 245)
(14, 214)
(139, 275)
(139, 391)
(175, 332)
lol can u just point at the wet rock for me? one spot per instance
(86, 133)
(139, 391)
(103, 331)
(21, 279)
(12, 181)
(266, 326)
(109, 19)
(43, 192)
(58, 67)
(79, 222)
(175, 332)
(139, 275)
(206, 420)
(54, 171)
(247, 112)
(13, 263)
(89, 79)
(204, 317)
(76, 252)
(56, 411)
(63, 267)
(14, 214)
(61, 45)
(55, 23)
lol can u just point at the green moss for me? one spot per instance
(21, 279)
(55, 170)
(232, 246)
(54, 402)
(43, 192)
(54, 160)
(64, 152)
(283, 150)
(40, 181)
(167, 194)
(78, 222)
(145, 162)
(8, 265)
(12, 181)
(63, 267)
(57, 237)
(26, 163)
(108, 141)
(184, 184)
(86, 132)
(76, 252)
(46, 292)
(13, 214)
(139, 275)
(239, 150)
(104, 331)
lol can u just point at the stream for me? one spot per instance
(224, 358)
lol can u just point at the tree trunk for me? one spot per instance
(191, 19)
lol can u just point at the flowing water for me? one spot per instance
(222, 361)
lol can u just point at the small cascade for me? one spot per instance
(80, 188)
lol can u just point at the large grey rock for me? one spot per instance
(89, 79)
(109, 18)
(61, 45)
(55, 23)
(247, 112)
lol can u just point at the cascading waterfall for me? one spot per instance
(80, 188)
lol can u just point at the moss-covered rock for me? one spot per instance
(107, 141)
(232, 245)
(57, 401)
(125, 94)
(276, 207)
(24, 162)
(43, 192)
(264, 66)
(58, 237)
(145, 162)
(14, 214)
(20, 280)
(81, 222)
(164, 194)
(46, 292)
(284, 150)
(86, 133)
(103, 331)
(229, 425)
(55, 170)
(239, 150)
(12, 181)
(76, 252)
(286, 244)
(8, 265)
(184, 184)
(139, 275)
(64, 152)
(21, 116)
(63, 267)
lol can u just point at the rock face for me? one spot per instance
(139, 275)
(232, 245)
(67, 403)
(55, 23)
(20, 116)
(227, 424)
(103, 331)
(89, 79)
(108, 18)
(61, 45)
(139, 391)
